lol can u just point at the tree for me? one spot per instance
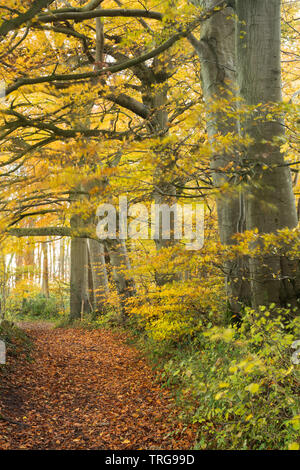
(99, 276)
(45, 277)
(270, 201)
(216, 51)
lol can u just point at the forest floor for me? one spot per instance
(86, 389)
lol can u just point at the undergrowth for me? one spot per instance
(17, 342)
(238, 384)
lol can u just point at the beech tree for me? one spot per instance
(270, 201)
(217, 55)
(108, 109)
(240, 45)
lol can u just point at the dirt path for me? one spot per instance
(86, 390)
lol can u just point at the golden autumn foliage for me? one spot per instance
(94, 108)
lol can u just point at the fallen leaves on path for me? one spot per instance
(86, 389)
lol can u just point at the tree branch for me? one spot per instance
(39, 231)
(51, 232)
(107, 70)
(129, 103)
(22, 121)
(15, 23)
(100, 13)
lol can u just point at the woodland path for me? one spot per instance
(86, 389)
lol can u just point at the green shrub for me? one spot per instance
(40, 306)
(16, 340)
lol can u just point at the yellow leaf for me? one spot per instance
(220, 395)
(223, 384)
(252, 388)
(294, 446)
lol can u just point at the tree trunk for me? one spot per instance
(53, 261)
(62, 259)
(29, 260)
(155, 97)
(45, 279)
(270, 202)
(19, 268)
(79, 295)
(121, 272)
(98, 274)
(216, 51)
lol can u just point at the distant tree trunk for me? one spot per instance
(19, 268)
(28, 256)
(50, 260)
(91, 285)
(4, 287)
(41, 264)
(216, 51)
(121, 271)
(45, 278)
(164, 191)
(37, 264)
(62, 259)
(53, 260)
(29, 260)
(155, 97)
(67, 260)
(270, 202)
(99, 275)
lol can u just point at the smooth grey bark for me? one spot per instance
(29, 262)
(19, 268)
(79, 294)
(80, 303)
(62, 255)
(90, 279)
(5, 284)
(53, 262)
(45, 278)
(81, 297)
(216, 51)
(118, 258)
(99, 275)
(270, 202)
